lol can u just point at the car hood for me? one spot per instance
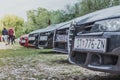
(108, 13)
(43, 29)
(56, 26)
(36, 31)
(66, 25)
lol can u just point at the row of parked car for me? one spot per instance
(92, 41)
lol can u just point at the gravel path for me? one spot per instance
(3, 46)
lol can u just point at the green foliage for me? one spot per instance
(41, 17)
(88, 6)
(55, 16)
(36, 19)
(12, 21)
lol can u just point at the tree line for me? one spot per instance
(41, 17)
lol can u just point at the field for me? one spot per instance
(43, 64)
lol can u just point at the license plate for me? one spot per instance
(43, 37)
(62, 38)
(91, 44)
(23, 41)
(31, 38)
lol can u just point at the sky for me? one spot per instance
(19, 7)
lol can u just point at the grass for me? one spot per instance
(38, 64)
(26, 63)
(19, 52)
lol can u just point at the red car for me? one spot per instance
(0, 38)
(24, 40)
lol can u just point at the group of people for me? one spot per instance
(8, 36)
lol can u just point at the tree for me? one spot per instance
(41, 18)
(13, 21)
(88, 6)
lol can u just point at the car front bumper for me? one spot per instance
(108, 61)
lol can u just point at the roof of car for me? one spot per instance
(112, 12)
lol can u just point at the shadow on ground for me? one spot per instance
(95, 77)
(82, 77)
(106, 77)
(47, 52)
(51, 52)
(61, 61)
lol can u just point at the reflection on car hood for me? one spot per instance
(66, 25)
(57, 26)
(36, 31)
(52, 27)
(43, 29)
(93, 34)
(107, 13)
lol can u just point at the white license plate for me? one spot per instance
(43, 37)
(31, 38)
(62, 38)
(91, 44)
(23, 41)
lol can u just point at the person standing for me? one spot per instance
(5, 35)
(11, 36)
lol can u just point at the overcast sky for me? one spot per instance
(19, 7)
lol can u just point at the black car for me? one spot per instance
(97, 46)
(33, 38)
(61, 38)
(46, 36)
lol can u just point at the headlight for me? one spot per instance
(108, 25)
